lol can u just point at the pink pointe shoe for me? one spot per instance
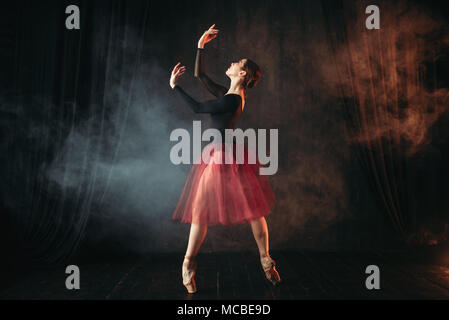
(188, 274)
(268, 266)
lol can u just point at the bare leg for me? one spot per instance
(198, 231)
(260, 232)
(196, 238)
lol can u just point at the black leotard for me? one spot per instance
(223, 111)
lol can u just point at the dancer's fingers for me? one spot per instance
(175, 68)
(180, 71)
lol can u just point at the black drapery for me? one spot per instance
(61, 84)
(388, 82)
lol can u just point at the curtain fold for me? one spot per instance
(66, 85)
(390, 106)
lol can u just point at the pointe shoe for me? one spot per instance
(268, 266)
(188, 274)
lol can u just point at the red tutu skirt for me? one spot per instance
(220, 192)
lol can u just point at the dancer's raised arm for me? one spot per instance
(222, 105)
(214, 88)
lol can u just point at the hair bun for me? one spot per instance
(253, 74)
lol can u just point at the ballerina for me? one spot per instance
(226, 192)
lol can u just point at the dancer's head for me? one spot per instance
(245, 72)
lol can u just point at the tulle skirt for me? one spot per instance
(220, 192)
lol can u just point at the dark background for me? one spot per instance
(86, 117)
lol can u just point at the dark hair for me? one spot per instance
(253, 74)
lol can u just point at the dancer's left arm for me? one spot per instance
(224, 104)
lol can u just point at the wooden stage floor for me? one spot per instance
(236, 275)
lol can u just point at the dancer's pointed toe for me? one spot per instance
(269, 267)
(189, 267)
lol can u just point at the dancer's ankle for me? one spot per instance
(189, 258)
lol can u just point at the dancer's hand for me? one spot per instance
(177, 72)
(207, 36)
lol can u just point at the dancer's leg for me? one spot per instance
(260, 232)
(196, 238)
(198, 230)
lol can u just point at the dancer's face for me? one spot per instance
(236, 69)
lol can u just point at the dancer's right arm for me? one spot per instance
(214, 88)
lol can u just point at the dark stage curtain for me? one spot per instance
(389, 85)
(58, 79)
(68, 104)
